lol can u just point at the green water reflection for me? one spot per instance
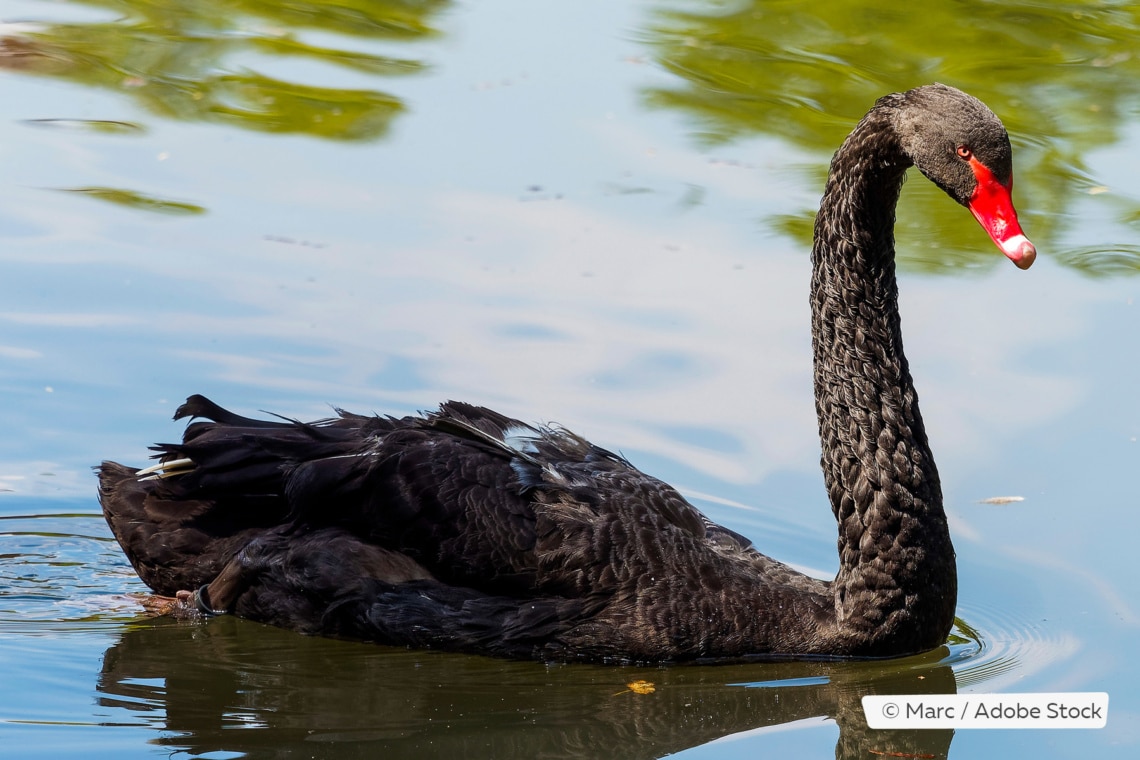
(137, 200)
(187, 60)
(1064, 77)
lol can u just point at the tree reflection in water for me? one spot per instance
(193, 61)
(1063, 79)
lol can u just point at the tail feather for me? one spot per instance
(227, 485)
(236, 455)
(200, 406)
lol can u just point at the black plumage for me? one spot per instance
(465, 530)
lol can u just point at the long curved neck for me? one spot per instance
(896, 579)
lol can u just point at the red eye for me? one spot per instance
(964, 152)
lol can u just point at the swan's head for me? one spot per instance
(963, 148)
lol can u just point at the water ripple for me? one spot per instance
(1000, 647)
(61, 571)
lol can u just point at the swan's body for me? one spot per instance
(465, 530)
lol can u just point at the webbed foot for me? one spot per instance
(181, 606)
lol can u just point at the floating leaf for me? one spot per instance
(639, 687)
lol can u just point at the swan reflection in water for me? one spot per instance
(237, 686)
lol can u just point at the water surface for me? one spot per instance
(591, 213)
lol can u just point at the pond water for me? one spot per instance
(594, 213)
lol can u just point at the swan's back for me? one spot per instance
(461, 529)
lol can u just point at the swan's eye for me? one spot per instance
(965, 153)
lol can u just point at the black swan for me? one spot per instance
(465, 530)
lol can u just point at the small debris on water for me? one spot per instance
(1002, 500)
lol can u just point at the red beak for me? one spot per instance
(992, 206)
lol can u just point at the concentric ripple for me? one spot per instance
(994, 647)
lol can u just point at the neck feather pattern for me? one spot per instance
(897, 573)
